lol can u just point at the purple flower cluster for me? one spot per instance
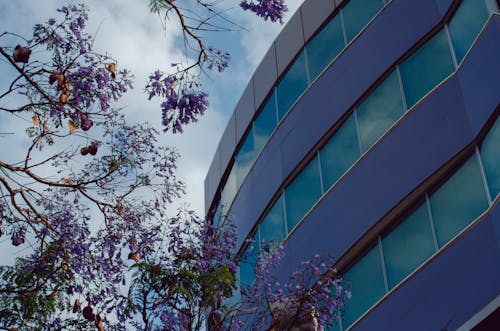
(182, 103)
(217, 59)
(274, 10)
(313, 292)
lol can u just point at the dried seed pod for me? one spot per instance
(86, 125)
(84, 150)
(56, 77)
(134, 256)
(77, 306)
(72, 127)
(88, 314)
(21, 54)
(93, 148)
(99, 324)
(112, 70)
(63, 98)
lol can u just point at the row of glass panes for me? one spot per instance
(409, 82)
(437, 219)
(317, 54)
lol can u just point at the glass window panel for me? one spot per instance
(357, 14)
(340, 152)
(426, 68)
(379, 111)
(229, 192)
(466, 24)
(272, 228)
(292, 85)
(244, 159)
(490, 155)
(408, 245)
(458, 201)
(366, 281)
(218, 214)
(265, 123)
(327, 44)
(248, 261)
(302, 193)
(334, 327)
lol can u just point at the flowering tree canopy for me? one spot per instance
(87, 199)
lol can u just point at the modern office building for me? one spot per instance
(370, 131)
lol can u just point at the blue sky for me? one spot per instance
(127, 31)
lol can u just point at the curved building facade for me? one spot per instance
(370, 131)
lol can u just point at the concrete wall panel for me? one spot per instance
(245, 109)
(265, 76)
(313, 15)
(289, 42)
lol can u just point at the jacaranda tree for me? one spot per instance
(88, 198)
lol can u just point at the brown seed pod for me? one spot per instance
(63, 98)
(86, 125)
(93, 148)
(88, 314)
(77, 306)
(134, 256)
(99, 324)
(21, 54)
(112, 70)
(72, 127)
(84, 150)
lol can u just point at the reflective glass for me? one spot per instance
(458, 201)
(366, 281)
(334, 327)
(292, 85)
(490, 155)
(466, 24)
(408, 245)
(302, 193)
(325, 46)
(357, 14)
(247, 262)
(265, 123)
(426, 68)
(229, 192)
(340, 152)
(272, 228)
(379, 111)
(244, 159)
(218, 214)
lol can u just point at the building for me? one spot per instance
(370, 131)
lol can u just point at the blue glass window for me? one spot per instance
(292, 85)
(272, 228)
(302, 193)
(379, 111)
(408, 245)
(426, 68)
(366, 281)
(325, 46)
(490, 155)
(340, 152)
(460, 200)
(265, 123)
(248, 261)
(357, 14)
(244, 159)
(466, 24)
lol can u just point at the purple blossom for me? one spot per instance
(274, 10)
